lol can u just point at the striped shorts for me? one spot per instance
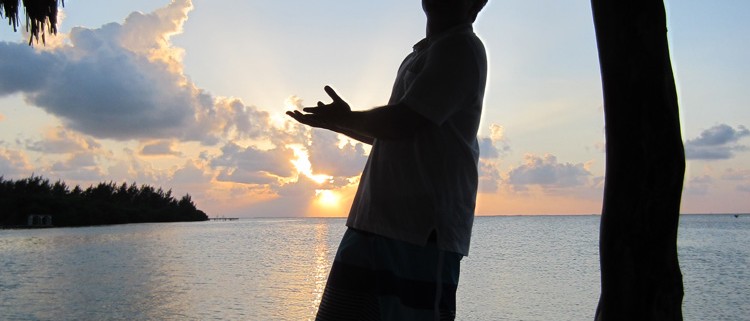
(376, 278)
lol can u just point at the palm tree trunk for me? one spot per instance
(640, 273)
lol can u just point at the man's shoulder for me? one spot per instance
(460, 39)
(459, 44)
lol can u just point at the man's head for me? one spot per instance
(453, 10)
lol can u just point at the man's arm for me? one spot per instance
(389, 122)
(316, 121)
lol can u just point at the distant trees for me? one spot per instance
(104, 203)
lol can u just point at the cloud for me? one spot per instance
(740, 177)
(28, 67)
(736, 175)
(79, 167)
(134, 169)
(75, 161)
(292, 199)
(490, 150)
(125, 81)
(59, 140)
(545, 171)
(251, 165)
(698, 185)
(489, 177)
(14, 164)
(190, 174)
(106, 84)
(496, 145)
(231, 119)
(717, 142)
(159, 148)
(328, 158)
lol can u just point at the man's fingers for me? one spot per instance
(332, 93)
(308, 119)
(300, 117)
(294, 114)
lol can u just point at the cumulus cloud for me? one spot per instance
(496, 145)
(75, 161)
(27, 66)
(59, 140)
(717, 142)
(326, 156)
(14, 164)
(189, 174)
(547, 172)
(125, 81)
(291, 199)
(698, 185)
(231, 119)
(489, 177)
(736, 175)
(78, 167)
(251, 165)
(159, 148)
(132, 168)
(740, 177)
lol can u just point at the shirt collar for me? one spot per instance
(426, 42)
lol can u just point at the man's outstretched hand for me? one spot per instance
(395, 121)
(329, 116)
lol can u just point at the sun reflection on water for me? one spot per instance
(322, 265)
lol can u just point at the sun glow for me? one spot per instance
(328, 198)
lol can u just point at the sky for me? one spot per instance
(190, 96)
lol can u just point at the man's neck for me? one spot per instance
(435, 28)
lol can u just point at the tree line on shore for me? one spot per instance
(104, 203)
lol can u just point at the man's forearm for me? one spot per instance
(355, 135)
(387, 122)
(391, 122)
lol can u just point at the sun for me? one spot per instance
(327, 198)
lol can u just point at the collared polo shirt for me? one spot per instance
(411, 187)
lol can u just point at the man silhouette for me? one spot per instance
(411, 219)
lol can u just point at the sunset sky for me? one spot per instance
(191, 95)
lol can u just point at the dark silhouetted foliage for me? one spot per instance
(104, 203)
(39, 14)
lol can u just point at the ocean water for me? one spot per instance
(520, 268)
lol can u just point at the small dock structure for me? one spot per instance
(223, 218)
(39, 220)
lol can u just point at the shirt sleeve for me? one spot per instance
(449, 78)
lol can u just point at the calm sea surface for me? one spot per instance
(541, 268)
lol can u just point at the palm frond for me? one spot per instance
(40, 14)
